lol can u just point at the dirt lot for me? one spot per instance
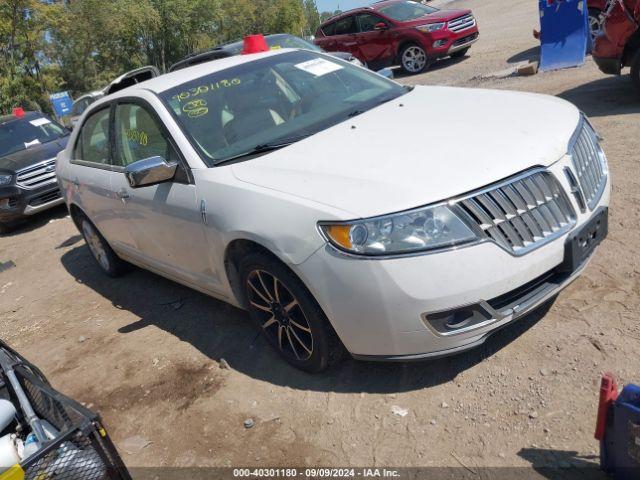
(146, 352)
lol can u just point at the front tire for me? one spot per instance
(287, 314)
(414, 59)
(106, 258)
(635, 70)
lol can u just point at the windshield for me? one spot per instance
(406, 11)
(24, 133)
(278, 99)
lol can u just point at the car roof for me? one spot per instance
(369, 8)
(26, 116)
(170, 80)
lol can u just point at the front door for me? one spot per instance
(164, 220)
(375, 47)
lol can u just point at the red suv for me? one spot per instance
(399, 32)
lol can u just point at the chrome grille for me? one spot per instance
(589, 164)
(523, 213)
(37, 175)
(462, 23)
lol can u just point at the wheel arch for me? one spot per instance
(234, 252)
(76, 214)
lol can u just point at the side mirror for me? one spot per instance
(380, 26)
(386, 73)
(149, 171)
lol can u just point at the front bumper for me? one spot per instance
(17, 203)
(378, 306)
(443, 43)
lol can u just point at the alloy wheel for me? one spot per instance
(280, 315)
(596, 24)
(95, 245)
(414, 59)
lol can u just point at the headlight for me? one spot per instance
(5, 179)
(431, 27)
(426, 228)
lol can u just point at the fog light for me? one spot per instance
(460, 319)
(439, 43)
(4, 203)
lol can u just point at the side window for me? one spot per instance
(367, 21)
(93, 141)
(346, 25)
(329, 29)
(138, 136)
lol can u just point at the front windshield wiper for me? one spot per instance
(263, 148)
(360, 111)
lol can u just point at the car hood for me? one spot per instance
(429, 145)
(32, 155)
(439, 16)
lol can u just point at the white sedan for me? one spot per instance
(342, 210)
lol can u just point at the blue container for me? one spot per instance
(620, 449)
(564, 33)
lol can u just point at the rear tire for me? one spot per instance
(106, 258)
(635, 70)
(460, 53)
(414, 59)
(287, 314)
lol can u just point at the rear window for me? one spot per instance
(406, 11)
(329, 29)
(346, 25)
(20, 134)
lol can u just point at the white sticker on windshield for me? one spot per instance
(319, 67)
(38, 122)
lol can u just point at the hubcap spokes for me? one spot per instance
(414, 59)
(95, 245)
(280, 314)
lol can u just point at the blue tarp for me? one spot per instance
(564, 33)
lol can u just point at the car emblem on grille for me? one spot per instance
(50, 168)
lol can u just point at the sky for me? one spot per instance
(331, 5)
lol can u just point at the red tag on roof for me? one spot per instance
(18, 112)
(254, 44)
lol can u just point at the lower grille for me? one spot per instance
(462, 23)
(38, 175)
(467, 39)
(589, 164)
(523, 213)
(45, 198)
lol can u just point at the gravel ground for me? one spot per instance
(148, 353)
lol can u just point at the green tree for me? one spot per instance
(312, 16)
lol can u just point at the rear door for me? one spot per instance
(90, 177)
(344, 35)
(164, 221)
(374, 46)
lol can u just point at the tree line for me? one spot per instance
(81, 45)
